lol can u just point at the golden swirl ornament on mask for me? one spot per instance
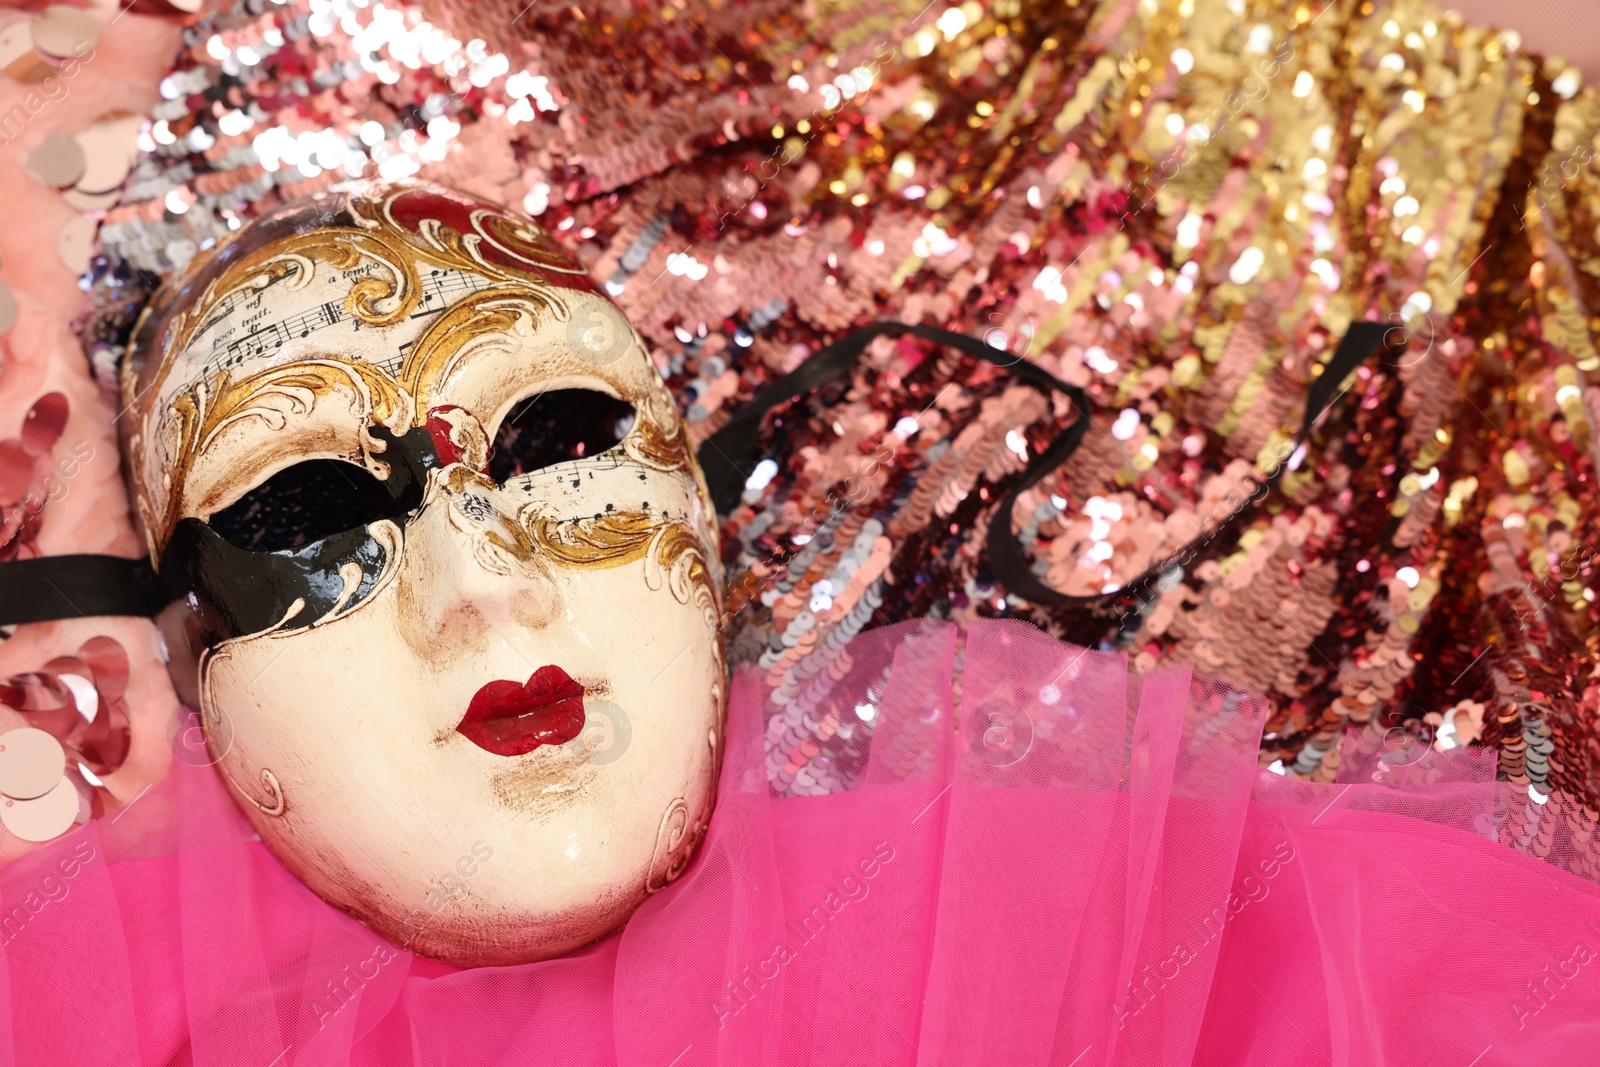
(422, 520)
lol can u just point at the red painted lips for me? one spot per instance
(511, 719)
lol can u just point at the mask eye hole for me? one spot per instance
(555, 427)
(304, 503)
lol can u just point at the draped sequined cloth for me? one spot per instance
(1178, 205)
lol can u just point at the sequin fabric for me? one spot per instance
(1177, 204)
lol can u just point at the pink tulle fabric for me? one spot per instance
(1023, 855)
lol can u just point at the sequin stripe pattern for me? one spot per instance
(1177, 204)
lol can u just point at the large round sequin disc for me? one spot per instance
(31, 763)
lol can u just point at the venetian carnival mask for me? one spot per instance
(446, 570)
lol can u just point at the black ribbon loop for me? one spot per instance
(728, 456)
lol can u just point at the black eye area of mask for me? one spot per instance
(556, 427)
(317, 498)
(280, 554)
(307, 502)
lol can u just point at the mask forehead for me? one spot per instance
(442, 226)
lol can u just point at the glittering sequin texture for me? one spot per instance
(1179, 205)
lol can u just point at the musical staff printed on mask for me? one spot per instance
(270, 336)
(391, 364)
(246, 334)
(440, 285)
(574, 471)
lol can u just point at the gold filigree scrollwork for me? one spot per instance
(501, 544)
(215, 403)
(344, 249)
(258, 273)
(658, 439)
(518, 240)
(671, 549)
(210, 308)
(674, 559)
(608, 541)
(498, 317)
(524, 240)
(302, 384)
(292, 262)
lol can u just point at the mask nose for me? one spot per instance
(470, 574)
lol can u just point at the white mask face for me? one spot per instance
(451, 578)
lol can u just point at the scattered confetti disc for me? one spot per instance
(109, 149)
(41, 429)
(166, 9)
(86, 795)
(76, 244)
(87, 202)
(16, 471)
(63, 31)
(15, 42)
(18, 58)
(31, 762)
(58, 160)
(8, 309)
(47, 817)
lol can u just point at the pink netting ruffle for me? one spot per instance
(1083, 868)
